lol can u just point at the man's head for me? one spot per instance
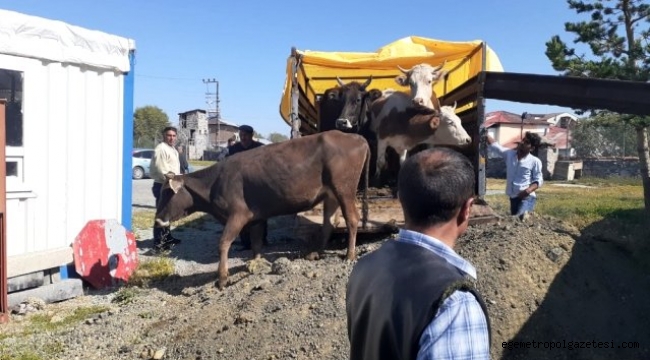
(529, 143)
(169, 135)
(246, 135)
(436, 187)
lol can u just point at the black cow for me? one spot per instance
(345, 107)
(272, 180)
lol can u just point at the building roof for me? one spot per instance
(505, 117)
(556, 136)
(192, 111)
(213, 121)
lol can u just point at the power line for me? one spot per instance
(164, 77)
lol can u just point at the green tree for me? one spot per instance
(148, 123)
(603, 135)
(277, 137)
(617, 34)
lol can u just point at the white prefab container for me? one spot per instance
(69, 116)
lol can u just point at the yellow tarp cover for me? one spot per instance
(464, 61)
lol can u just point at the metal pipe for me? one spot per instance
(294, 116)
(4, 302)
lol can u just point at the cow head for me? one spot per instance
(421, 79)
(450, 130)
(175, 200)
(354, 100)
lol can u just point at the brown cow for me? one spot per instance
(272, 180)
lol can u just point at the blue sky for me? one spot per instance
(245, 44)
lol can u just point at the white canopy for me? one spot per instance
(40, 38)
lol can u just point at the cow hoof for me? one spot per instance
(312, 256)
(221, 284)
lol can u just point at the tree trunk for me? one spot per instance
(644, 162)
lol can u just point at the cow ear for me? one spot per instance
(374, 94)
(434, 122)
(401, 80)
(175, 185)
(437, 75)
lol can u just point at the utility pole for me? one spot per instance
(213, 111)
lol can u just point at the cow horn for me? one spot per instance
(338, 80)
(455, 103)
(365, 84)
(441, 66)
(403, 70)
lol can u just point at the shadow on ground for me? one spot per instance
(600, 299)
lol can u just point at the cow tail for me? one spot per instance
(364, 205)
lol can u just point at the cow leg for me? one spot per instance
(346, 197)
(230, 232)
(402, 156)
(381, 158)
(351, 216)
(257, 238)
(330, 205)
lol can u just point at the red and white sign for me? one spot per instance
(105, 253)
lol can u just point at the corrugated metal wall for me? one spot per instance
(73, 143)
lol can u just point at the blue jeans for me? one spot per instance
(520, 206)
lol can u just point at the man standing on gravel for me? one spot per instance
(523, 173)
(165, 160)
(245, 143)
(413, 297)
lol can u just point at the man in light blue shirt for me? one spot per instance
(524, 173)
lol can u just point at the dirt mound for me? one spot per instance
(543, 282)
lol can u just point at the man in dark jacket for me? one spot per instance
(246, 142)
(414, 298)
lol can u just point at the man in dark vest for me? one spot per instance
(413, 298)
(245, 143)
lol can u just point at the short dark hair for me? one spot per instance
(246, 128)
(169, 128)
(534, 139)
(434, 184)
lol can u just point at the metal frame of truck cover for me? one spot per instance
(630, 97)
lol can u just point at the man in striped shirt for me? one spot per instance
(414, 297)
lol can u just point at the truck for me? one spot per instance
(474, 74)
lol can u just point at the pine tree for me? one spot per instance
(617, 34)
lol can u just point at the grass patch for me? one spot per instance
(6, 354)
(608, 182)
(143, 219)
(611, 198)
(45, 322)
(125, 295)
(201, 162)
(149, 270)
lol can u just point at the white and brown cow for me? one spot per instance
(398, 124)
(420, 79)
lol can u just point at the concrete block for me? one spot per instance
(24, 282)
(63, 290)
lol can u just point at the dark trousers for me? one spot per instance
(245, 234)
(158, 232)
